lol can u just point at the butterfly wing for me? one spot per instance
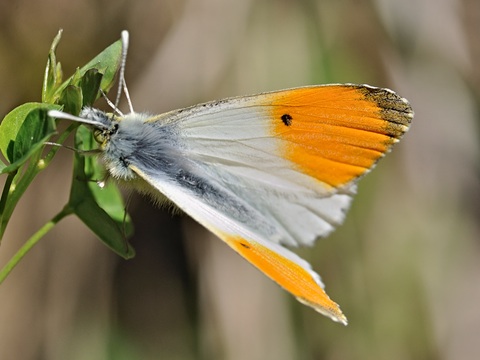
(295, 155)
(278, 168)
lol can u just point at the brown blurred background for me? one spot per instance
(405, 266)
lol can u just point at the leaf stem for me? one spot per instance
(30, 243)
(15, 194)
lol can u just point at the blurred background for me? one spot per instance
(404, 267)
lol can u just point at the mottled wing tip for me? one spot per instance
(394, 109)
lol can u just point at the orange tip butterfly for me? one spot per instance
(261, 172)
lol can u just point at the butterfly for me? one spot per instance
(263, 172)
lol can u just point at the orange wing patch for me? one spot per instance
(291, 276)
(336, 133)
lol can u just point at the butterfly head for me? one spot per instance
(105, 125)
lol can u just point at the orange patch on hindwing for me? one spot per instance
(336, 133)
(288, 274)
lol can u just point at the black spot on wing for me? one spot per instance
(287, 119)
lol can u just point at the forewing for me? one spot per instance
(294, 155)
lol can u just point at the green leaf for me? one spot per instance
(24, 131)
(53, 72)
(71, 100)
(100, 208)
(90, 84)
(11, 125)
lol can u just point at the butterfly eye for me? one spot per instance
(99, 136)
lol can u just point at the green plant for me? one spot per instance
(23, 136)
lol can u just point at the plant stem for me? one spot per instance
(30, 243)
(3, 203)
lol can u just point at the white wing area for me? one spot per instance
(233, 144)
(304, 219)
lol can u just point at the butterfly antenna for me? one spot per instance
(127, 95)
(111, 104)
(62, 115)
(121, 79)
(77, 151)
